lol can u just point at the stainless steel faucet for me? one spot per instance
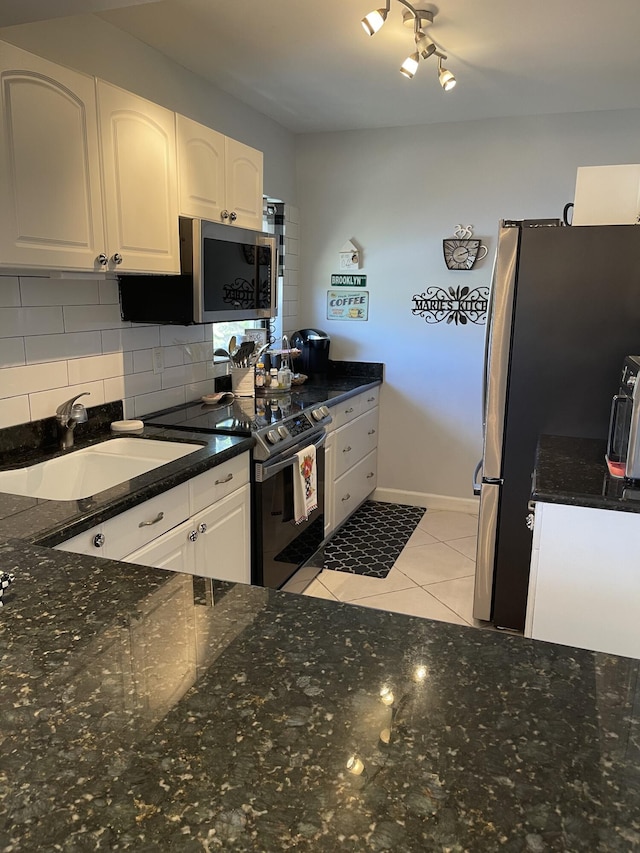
(68, 415)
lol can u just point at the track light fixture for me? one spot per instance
(418, 19)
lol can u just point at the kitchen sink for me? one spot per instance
(89, 470)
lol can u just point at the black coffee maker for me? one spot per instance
(314, 346)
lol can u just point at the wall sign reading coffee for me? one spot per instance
(458, 305)
(347, 305)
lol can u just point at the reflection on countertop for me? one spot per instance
(141, 711)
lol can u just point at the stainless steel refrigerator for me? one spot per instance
(564, 310)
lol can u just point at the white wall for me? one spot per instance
(397, 193)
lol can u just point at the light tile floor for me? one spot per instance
(432, 577)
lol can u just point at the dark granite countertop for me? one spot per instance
(573, 471)
(137, 716)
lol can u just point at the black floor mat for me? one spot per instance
(371, 540)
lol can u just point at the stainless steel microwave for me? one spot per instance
(226, 273)
(623, 445)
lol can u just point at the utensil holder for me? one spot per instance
(242, 381)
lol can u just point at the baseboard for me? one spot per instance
(398, 496)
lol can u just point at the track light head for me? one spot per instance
(424, 45)
(410, 65)
(372, 22)
(446, 78)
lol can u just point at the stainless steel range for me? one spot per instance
(281, 426)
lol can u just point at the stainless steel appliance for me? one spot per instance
(281, 427)
(623, 444)
(564, 309)
(226, 274)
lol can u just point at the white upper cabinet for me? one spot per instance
(139, 182)
(220, 179)
(50, 204)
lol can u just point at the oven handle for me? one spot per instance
(267, 471)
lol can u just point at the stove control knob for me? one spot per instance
(283, 431)
(272, 436)
(317, 414)
(325, 411)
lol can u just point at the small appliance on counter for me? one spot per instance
(623, 443)
(314, 347)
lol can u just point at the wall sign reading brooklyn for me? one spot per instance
(346, 280)
(459, 305)
(347, 305)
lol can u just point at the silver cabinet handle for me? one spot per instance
(155, 520)
(370, 475)
(102, 259)
(371, 432)
(202, 527)
(348, 411)
(224, 214)
(117, 258)
(193, 536)
(98, 540)
(233, 216)
(346, 449)
(227, 479)
(371, 399)
(347, 497)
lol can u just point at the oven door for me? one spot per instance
(280, 546)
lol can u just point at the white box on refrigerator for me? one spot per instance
(607, 195)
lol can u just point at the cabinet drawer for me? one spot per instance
(346, 411)
(218, 482)
(354, 486)
(134, 528)
(369, 399)
(354, 440)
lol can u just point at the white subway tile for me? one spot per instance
(56, 347)
(290, 309)
(45, 291)
(160, 400)
(141, 383)
(291, 262)
(142, 360)
(171, 335)
(292, 229)
(291, 213)
(84, 318)
(127, 362)
(290, 246)
(114, 389)
(128, 408)
(184, 374)
(44, 403)
(14, 410)
(291, 278)
(198, 389)
(108, 293)
(131, 338)
(173, 356)
(9, 291)
(11, 352)
(95, 367)
(290, 293)
(27, 379)
(198, 352)
(18, 322)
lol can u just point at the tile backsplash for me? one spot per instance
(62, 336)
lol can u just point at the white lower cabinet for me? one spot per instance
(584, 584)
(200, 527)
(351, 471)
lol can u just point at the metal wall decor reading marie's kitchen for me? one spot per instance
(459, 305)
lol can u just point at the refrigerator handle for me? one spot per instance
(477, 485)
(615, 405)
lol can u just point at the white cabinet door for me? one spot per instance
(243, 184)
(223, 547)
(139, 182)
(173, 551)
(51, 202)
(201, 169)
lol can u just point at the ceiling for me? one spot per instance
(311, 67)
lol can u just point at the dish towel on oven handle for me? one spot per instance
(305, 484)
